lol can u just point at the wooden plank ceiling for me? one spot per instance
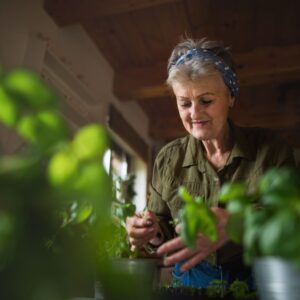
(136, 37)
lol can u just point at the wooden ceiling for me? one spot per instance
(137, 36)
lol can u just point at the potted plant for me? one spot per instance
(196, 217)
(138, 268)
(55, 196)
(267, 223)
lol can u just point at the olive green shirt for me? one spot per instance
(182, 162)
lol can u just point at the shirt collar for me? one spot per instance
(194, 155)
(241, 148)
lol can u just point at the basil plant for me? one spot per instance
(266, 221)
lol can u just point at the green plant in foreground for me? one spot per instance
(217, 289)
(239, 290)
(122, 207)
(236, 290)
(55, 195)
(267, 221)
(195, 217)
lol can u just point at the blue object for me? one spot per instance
(204, 273)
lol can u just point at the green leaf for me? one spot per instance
(45, 129)
(273, 199)
(80, 212)
(283, 179)
(26, 85)
(129, 210)
(9, 112)
(63, 168)
(207, 224)
(279, 234)
(197, 218)
(52, 126)
(28, 129)
(232, 191)
(15, 164)
(90, 142)
(89, 178)
(122, 211)
(270, 236)
(239, 289)
(7, 234)
(199, 200)
(235, 207)
(251, 236)
(184, 194)
(216, 289)
(188, 228)
(235, 227)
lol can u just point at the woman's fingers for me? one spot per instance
(137, 221)
(138, 242)
(170, 246)
(141, 228)
(179, 252)
(139, 233)
(177, 228)
(178, 256)
(141, 237)
(193, 261)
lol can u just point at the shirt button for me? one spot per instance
(216, 180)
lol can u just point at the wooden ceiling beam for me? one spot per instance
(66, 12)
(260, 66)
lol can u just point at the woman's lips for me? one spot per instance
(199, 123)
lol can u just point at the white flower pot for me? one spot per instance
(276, 279)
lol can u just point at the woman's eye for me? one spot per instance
(205, 101)
(185, 104)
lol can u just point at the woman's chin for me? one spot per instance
(200, 135)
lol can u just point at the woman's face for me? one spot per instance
(203, 106)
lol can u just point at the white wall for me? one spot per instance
(26, 31)
(140, 169)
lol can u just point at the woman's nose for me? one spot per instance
(196, 109)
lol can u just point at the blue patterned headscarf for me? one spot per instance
(227, 73)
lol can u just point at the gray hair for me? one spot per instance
(196, 68)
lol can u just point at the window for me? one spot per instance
(120, 163)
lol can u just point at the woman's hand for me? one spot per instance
(142, 228)
(204, 247)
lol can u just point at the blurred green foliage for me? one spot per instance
(196, 217)
(122, 207)
(55, 196)
(266, 221)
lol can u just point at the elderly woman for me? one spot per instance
(201, 75)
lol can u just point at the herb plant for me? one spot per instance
(266, 221)
(55, 195)
(196, 217)
(122, 207)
